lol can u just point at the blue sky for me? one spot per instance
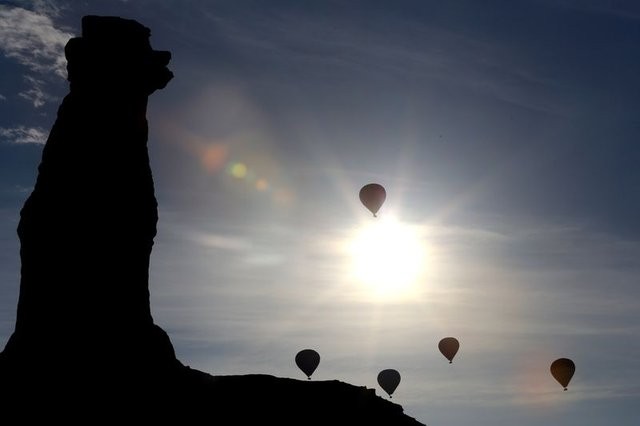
(505, 133)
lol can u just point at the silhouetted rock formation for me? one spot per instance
(87, 229)
(84, 339)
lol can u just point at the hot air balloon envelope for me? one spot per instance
(307, 360)
(562, 370)
(449, 347)
(389, 380)
(372, 196)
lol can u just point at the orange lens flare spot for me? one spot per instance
(214, 157)
(262, 184)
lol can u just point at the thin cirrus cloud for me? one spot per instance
(32, 39)
(23, 135)
(35, 93)
(415, 51)
(222, 242)
(254, 253)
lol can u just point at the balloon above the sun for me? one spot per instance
(388, 257)
(372, 196)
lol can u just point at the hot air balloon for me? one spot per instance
(562, 370)
(389, 380)
(307, 360)
(372, 196)
(449, 347)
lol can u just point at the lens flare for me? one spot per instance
(262, 184)
(214, 157)
(238, 170)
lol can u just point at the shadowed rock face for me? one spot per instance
(87, 230)
(85, 347)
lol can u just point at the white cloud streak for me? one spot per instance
(441, 54)
(32, 39)
(35, 94)
(223, 242)
(49, 7)
(23, 135)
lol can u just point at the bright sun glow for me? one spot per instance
(388, 257)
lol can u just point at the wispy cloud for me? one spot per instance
(2, 97)
(254, 253)
(35, 94)
(22, 135)
(49, 7)
(415, 51)
(223, 242)
(33, 40)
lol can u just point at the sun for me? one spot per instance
(388, 257)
